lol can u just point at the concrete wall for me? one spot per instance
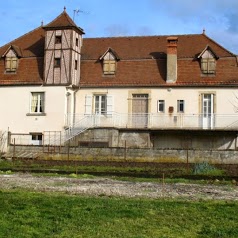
(143, 155)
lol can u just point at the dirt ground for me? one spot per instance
(110, 187)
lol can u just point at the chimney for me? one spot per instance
(171, 59)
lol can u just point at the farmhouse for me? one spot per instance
(162, 92)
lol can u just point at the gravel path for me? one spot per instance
(109, 187)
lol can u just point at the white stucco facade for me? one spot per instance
(17, 117)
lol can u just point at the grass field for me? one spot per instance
(28, 214)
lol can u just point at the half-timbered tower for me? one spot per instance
(63, 42)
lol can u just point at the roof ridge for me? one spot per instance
(137, 36)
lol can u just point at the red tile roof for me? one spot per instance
(142, 60)
(63, 20)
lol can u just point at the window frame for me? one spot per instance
(180, 106)
(57, 62)
(208, 66)
(58, 39)
(161, 103)
(37, 105)
(13, 62)
(100, 104)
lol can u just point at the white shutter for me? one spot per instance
(88, 104)
(110, 104)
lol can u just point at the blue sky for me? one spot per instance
(101, 18)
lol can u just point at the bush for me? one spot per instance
(205, 168)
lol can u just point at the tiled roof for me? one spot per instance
(142, 60)
(147, 47)
(63, 20)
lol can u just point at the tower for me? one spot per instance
(63, 42)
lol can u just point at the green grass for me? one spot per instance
(28, 214)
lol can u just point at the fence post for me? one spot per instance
(125, 151)
(68, 149)
(187, 163)
(14, 148)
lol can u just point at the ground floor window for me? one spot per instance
(36, 138)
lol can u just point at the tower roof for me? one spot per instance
(63, 21)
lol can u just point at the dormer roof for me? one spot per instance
(208, 48)
(16, 49)
(110, 50)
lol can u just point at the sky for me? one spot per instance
(106, 18)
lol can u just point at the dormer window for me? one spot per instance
(208, 61)
(11, 56)
(109, 60)
(109, 64)
(208, 65)
(58, 39)
(11, 64)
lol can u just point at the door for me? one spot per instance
(139, 110)
(207, 111)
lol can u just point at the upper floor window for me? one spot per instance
(37, 102)
(100, 104)
(77, 42)
(161, 105)
(76, 64)
(58, 39)
(11, 64)
(208, 61)
(180, 105)
(57, 62)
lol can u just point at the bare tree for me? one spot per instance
(3, 140)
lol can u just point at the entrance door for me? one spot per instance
(208, 111)
(140, 110)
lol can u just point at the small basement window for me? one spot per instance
(36, 138)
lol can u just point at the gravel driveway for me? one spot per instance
(110, 187)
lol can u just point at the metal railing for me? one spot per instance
(156, 121)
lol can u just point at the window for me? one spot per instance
(180, 105)
(36, 138)
(58, 39)
(208, 61)
(37, 102)
(109, 64)
(11, 64)
(161, 105)
(208, 65)
(57, 63)
(77, 42)
(76, 64)
(100, 104)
